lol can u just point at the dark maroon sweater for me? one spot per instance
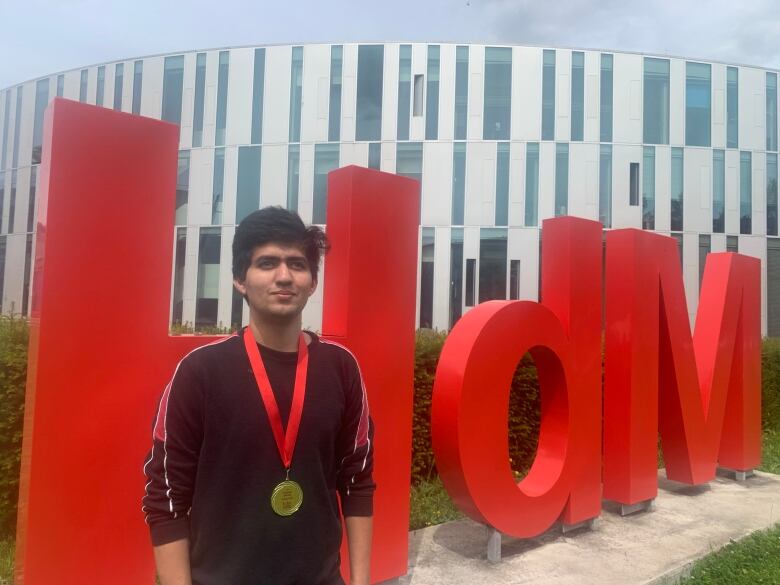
(214, 464)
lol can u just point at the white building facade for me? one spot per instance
(501, 137)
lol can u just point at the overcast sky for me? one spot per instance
(45, 36)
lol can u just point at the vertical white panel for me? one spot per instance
(188, 101)
(718, 105)
(16, 245)
(238, 129)
(732, 191)
(690, 268)
(516, 184)
(312, 312)
(663, 188)
(677, 102)
(210, 98)
(276, 101)
(201, 186)
(562, 95)
(526, 93)
(623, 214)
(546, 180)
(584, 180)
(758, 224)
(316, 80)
(108, 88)
(26, 125)
(441, 279)
(752, 109)
(476, 154)
(4, 216)
(190, 285)
(225, 298)
(447, 92)
(22, 200)
(390, 93)
(697, 190)
(419, 67)
(476, 91)
(71, 85)
(230, 185)
(349, 92)
(437, 183)
(523, 245)
(354, 153)
(388, 157)
(306, 183)
(756, 246)
(127, 87)
(151, 96)
(626, 100)
(273, 175)
(592, 130)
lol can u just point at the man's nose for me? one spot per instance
(283, 273)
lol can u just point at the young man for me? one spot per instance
(257, 432)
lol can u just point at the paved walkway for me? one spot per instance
(653, 547)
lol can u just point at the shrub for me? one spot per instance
(13, 376)
(770, 384)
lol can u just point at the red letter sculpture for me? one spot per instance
(702, 392)
(471, 394)
(100, 353)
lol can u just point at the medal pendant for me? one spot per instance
(287, 498)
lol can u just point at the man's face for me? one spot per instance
(278, 281)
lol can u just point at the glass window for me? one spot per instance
(745, 192)
(458, 182)
(258, 89)
(6, 129)
(492, 264)
(248, 185)
(60, 85)
(83, 85)
(732, 107)
(404, 90)
(182, 187)
(718, 192)
(12, 203)
(548, 95)
(178, 276)
(17, 126)
(138, 79)
(461, 92)
(432, 95)
(296, 93)
(119, 76)
(698, 104)
(26, 279)
(326, 159)
(606, 98)
(101, 85)
(207, 299)
(471, 265)
(41, 101)
(375, 155)
(605, 185)
(561, 178)
(771, 194)
(656, 101)
(200, 99)
(2, 269)
(532, 184)
(369, 92)
(456, 275)
(732, 244)
(772, 285)
(173, 79)
(417, 98)
(498, 93)
(771, 111)
(577, 94)
(426, 277)
(218, 186)
(334, 105)
(648, 188)
(514, 280)
(678, 204)
(633, 183)
(409, 160)
(704, 249)
(502, 184)
(293, 176)
(222, 96)
(31, 199)
(236, 310)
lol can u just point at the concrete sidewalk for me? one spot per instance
(653, 547)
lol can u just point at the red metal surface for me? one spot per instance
(100, 352)
(471, 394)
(703, 392)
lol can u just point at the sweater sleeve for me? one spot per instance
(171, 464)
(356, 448)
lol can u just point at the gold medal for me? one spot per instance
(287, 498)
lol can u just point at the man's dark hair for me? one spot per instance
(276, 225)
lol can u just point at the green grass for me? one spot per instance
(753, 560)
(770, 454)
(431, 505)
(6, 561)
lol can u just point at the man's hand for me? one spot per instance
(173, 563)
(359, 541)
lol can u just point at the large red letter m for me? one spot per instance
(703, 392)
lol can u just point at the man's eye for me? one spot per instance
(266, 264)
(298, 265)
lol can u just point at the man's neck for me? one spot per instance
(281, 336)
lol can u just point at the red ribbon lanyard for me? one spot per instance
(285, 440)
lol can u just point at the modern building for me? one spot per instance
(501, 137)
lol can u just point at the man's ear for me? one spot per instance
(239, 286)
